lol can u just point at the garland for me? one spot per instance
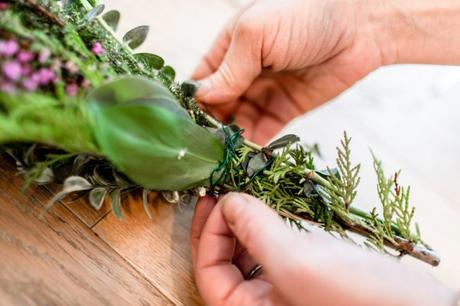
(79, 107)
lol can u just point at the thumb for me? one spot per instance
(240, 66)
(263, 233)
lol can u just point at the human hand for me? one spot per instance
(230, 238)
(278, 59)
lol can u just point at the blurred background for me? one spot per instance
(408, 115)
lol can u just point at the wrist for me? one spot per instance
(422, 31)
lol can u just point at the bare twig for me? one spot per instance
(43, 11)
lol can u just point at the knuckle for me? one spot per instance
(247, 227)
(247, 25)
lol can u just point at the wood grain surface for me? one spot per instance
(57, 260)
(158, 248)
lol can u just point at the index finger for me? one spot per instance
(214, 57)
(203, 209)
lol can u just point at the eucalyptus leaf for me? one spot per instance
(71, 184)
(168, 74)
(189, 88)
(94, 12)
(47, 176)
(112, 18)
(76, 183)
(135, 37)
(327, 172)
(308, 188)
(97, 196)
(284, 141)
(150, 60)
(150, 141)
(171, 197)
(115, 197)
(256, 163)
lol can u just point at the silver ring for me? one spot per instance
(254, 272)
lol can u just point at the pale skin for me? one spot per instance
(276, 60)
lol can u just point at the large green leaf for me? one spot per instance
(148, 136)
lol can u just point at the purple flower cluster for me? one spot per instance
(19, 69)
(97, 49)
(22, 69)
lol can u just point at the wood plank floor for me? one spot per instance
(409, 116)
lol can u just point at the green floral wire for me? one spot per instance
(222, 171)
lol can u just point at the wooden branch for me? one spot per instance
(43, 11)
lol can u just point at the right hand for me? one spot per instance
(232, 236)
(278, 59)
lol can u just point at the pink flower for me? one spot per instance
(24, 56)
(8, 47)
(30, 84)
(71, 67)
(44, 55)
(3, 6)
(45, 76)
(71, 89)
(97, 49)
(12, 70)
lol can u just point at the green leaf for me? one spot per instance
(47, 176)
(94, 12)
(71, 184)
(149, 137)
(76, 183)
(115, 198)
(112, 18)
(97, 196)
(189, 88)
(135, 37)
(150, 60)
(256, 163)
(168, 74)
(284, 141)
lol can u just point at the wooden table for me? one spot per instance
(76, 256)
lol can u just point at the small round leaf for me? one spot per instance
(135, 37)
(97, 196)
(112, 18)
(150, 60)
(168, 74)
(94, 12)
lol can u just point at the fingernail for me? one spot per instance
(234, 201)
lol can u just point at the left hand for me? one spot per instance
(231, 237)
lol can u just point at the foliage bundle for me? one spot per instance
(79, 107)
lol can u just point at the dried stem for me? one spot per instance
(405, 247)
(43, 11)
